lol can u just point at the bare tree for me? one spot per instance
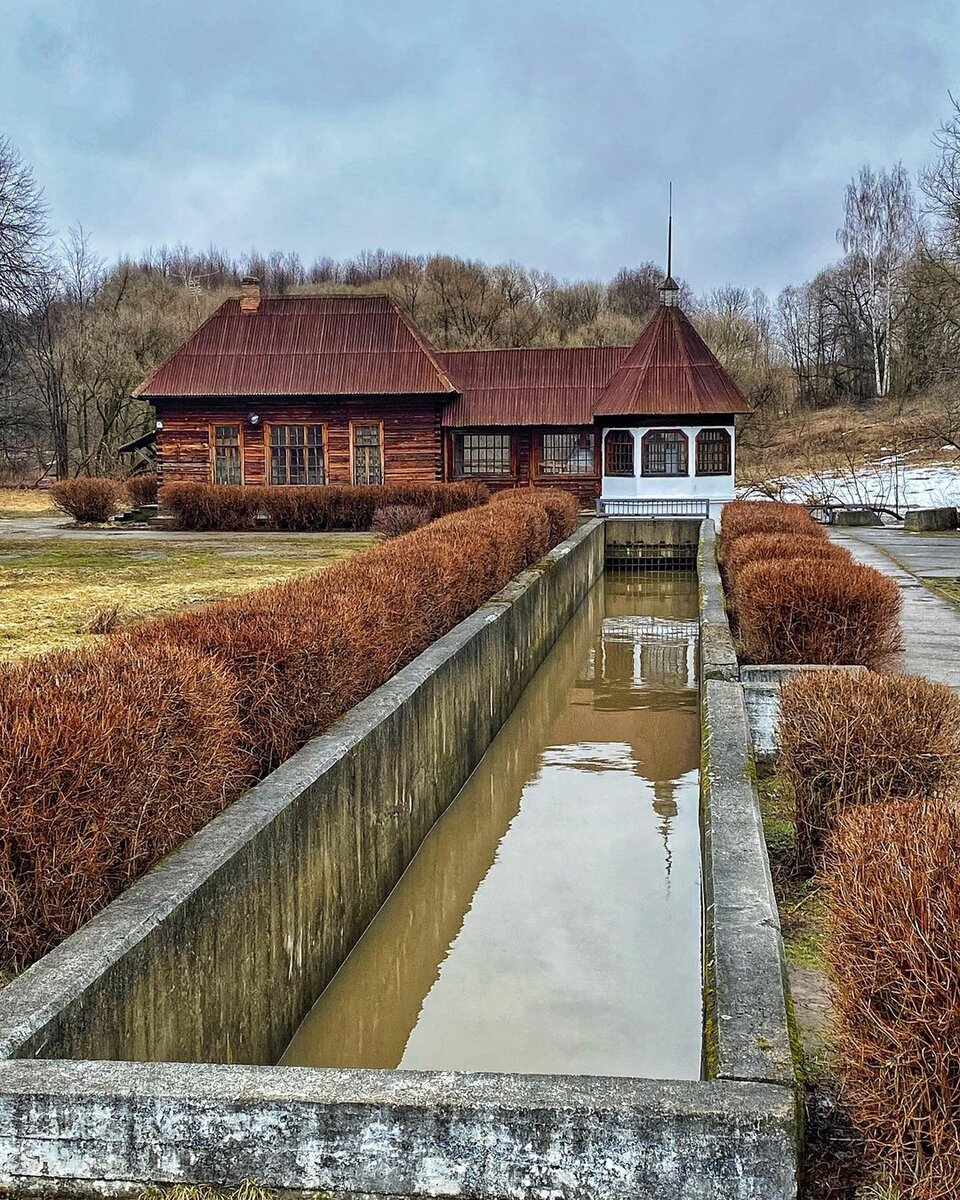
(878, 236)
(23, 229)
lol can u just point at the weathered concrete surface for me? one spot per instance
(931, 624)
(855, 517)
(761, 693)
(718, 655)
(747, 1035)
(930, 520)
(651, 539)
(110, 1128)
(217, 953)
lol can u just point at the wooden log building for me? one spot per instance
(297, 390)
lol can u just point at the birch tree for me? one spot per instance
(878, 236)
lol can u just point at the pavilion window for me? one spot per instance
(665, 452)
(227, 465)
(713, 452)
(297, 455)
(618, 452)
(481, 454)
(566, 453)
(367, 452)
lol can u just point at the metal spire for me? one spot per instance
(670, 232)
(669, 290)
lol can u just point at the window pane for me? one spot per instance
(367, 467)
(713, 452)
(297, 455)
(618, 452)
(566, 453)
(665, 452)
(226, 454)
(482, 454)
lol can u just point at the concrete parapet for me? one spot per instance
(111, 1128)
(746, 1013)
(718, 655)
(930, 520)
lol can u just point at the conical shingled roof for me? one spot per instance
(670, 372)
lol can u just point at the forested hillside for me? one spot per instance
(880, 326)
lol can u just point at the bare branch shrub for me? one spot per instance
(87, 499)
(142, 489)
(852, 739)
(894, 948)
(392, 520)
(823, 612)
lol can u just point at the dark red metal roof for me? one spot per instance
(670, 371)
(528, 387)
(302, 346)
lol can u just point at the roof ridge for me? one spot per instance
(424, 344)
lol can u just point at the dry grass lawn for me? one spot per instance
(52, 589)
(27, 502)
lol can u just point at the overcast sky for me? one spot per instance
(542, 131)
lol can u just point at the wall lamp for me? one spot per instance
(253, 419)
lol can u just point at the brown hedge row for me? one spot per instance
(894, 947)
(818, 612)
(86, 498)
(767, 547)
(209, 506)
(851, 739)
(111, 757)
(742, 517)
(142, 489)
(107, 762)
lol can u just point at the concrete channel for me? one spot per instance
(138, 1052)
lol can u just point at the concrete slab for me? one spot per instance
(931, 625)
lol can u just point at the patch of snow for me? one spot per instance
(888, 482)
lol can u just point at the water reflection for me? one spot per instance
(551, 921)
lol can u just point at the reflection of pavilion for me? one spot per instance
(639, 687)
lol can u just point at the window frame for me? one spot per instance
(564, 431)
(726, 442)
(268, 449)
(683, 439)
(605, 466)
(353, 466)
(212, 449)
(511, 468)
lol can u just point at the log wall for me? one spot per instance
(411, 434)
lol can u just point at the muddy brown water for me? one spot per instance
(551, 921)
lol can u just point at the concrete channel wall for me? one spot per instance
(217, 953)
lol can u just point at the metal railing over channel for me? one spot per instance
(653, 508)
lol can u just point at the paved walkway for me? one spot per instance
(931, 625)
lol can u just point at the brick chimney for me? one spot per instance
(249, 294)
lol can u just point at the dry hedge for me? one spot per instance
(819, 612)
(742, 517)
(142, 489)
(894, 948)
(106, 764)
(112, 756)
(766, 547)
(210, 506)
(86, 498)
(855, 739)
